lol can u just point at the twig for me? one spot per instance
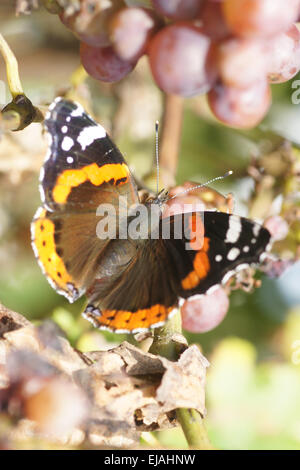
(20, 112)
(12, 69)
(193, 428)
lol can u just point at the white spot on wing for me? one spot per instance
(233, 254)
(219, 258)
(70, 159)
(64, 129)
(78, 111)
(67, 143)
(228, 276)
(42, 173)
(121, 331)
(42, 193)
(89, 134)
(256, 230)
(262, 257)
(234, 230)
(241, 267)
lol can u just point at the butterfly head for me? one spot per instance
(160, 199)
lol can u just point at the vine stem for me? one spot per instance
(163, 342)
(12, 69)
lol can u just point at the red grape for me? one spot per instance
(241, 62)
(239, 107)
(213, 22)
(182, 60)
(103, 63)
(178, 9)
(130, 30)
(205, 313)
(283, 53)
(260, 18)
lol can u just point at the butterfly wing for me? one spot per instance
(80, 153)
(227, 244)
(204, 249)
(83, 170)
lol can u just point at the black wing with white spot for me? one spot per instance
(231, 244)
(79, 153)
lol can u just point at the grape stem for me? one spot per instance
(171, 135)
(163, 343)
(78, 77)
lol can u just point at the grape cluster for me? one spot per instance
(230, 49)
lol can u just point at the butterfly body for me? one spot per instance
(94, 236)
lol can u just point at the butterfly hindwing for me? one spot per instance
(147, 290)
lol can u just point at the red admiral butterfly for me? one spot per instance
(131, 284)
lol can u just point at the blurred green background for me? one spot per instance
(253, 384)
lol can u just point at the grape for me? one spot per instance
(92, 29)
(241, 62)
(239, 107)
(178, 9)
(213, 22)
(206, 312)
(182, 60)
(283, 53)
(130, 30)
(96, 33)
(103, 63)
(260, 18)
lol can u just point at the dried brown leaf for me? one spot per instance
(126, 390)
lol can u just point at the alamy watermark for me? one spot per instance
(295, 98)
(142, 222)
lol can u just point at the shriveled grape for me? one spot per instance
(182, 60)
(283, 56)
(92, 28)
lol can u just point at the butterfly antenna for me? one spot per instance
(156, 156)
(203, 184)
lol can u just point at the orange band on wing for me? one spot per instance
(126, 320)
(53, 265)
(93, 173)
(197, 230)
(201, 268)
